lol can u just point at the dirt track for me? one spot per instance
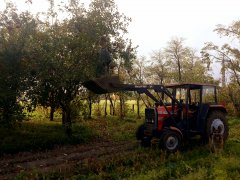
(60, 159)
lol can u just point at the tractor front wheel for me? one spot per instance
(145, 142)
(171, 141)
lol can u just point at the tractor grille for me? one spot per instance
(150, 118)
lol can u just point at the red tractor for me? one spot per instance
(181, 112)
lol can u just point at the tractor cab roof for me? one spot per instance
(186, 85)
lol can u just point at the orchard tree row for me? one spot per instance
(44, 59)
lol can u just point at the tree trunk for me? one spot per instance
(63, 117)
(105, 107)
(223, 72)
(66, 119)
(138, 107)
(122, 114)
(52, 110)
(98, 109)
(112, 106)
(90, 108)
(68, 125)
(52, 106)
(179, 71)
(110, 109)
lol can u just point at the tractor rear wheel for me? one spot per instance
(216, 130)
(217, 122)
(171, 141)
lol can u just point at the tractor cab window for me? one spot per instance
(181, 94)
(194, 98)
(208, 94)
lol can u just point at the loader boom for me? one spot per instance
(112, 84)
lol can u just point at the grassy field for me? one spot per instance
(194, 162)
(40, 136)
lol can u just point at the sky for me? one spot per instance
(155, 22)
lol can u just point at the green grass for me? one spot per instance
(191, 163)
(30, 136)
(114, 128)
(194, 162)
(40, 133)
(155, 164)
(151, 163)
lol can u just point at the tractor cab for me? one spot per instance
(196, 102)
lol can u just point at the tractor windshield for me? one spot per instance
(180, 94)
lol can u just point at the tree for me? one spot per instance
(67, 53)
(194, 69)
(157, 71)
(176, 53)
(125, 61)
(64, 63)
(211, 53)
(16, 33)
(229, 56)
(138, 77)
(184, 64)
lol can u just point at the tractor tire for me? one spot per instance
(140, 132)
(217, 119)
(145, 142)
(171, 141)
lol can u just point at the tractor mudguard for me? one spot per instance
(172, 128)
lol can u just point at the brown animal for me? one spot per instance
(216, 141)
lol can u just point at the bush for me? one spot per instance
(10, 111)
